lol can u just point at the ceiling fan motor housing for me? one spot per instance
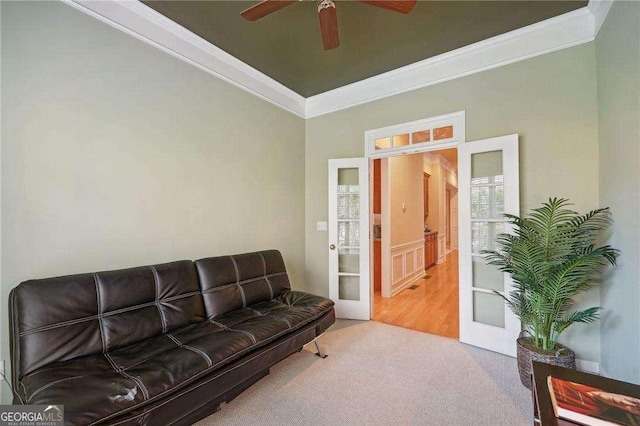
(325, 4)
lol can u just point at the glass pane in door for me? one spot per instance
(486, 276)
(487, 222)
(488, 308)
(349, 260)
(349, 287)
(484, 234)
(348, 234)
(485, 165)
(347, 178)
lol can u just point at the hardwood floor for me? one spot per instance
(432, 307)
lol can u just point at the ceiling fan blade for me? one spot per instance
(328, 25)
(401, 6)
(264, 8)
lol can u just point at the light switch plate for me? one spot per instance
(321, 226)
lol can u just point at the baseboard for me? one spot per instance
(588, 366)
(603, 372)
(410, 281)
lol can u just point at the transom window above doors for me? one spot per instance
(439, 132)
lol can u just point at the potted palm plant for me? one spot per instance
(551, 257)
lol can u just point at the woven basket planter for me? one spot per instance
(526, 352)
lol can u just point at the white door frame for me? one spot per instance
(385, 227)
(456, 119)
(385, 149)
(385, 249)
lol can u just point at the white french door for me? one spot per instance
(349, 237)
(488, 179)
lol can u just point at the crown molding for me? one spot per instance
(435, 159)
(599, 9)
(142, 22)
(561, 32)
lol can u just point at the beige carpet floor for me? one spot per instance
(379, 374)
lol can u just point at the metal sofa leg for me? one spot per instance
(319, 351)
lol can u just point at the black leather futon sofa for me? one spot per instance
(158, 345)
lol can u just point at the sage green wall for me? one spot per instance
(115, 154)
(618, 70)
(549, 100)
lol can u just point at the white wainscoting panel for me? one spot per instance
(407, 265)
(397, 267)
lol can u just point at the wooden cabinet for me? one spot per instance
(430, 249)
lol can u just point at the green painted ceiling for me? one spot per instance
(286, 45)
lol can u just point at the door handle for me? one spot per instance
(332, 246)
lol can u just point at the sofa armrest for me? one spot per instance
(301, 299)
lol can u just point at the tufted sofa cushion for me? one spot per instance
(68, 317)
(232, 282)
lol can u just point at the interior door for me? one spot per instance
(349, 237)
(488, 178)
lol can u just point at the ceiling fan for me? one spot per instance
(326, 14)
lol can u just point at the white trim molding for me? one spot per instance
(140, 21)
(599, 9)
(588, 366)
(561, 32)
(433, 158)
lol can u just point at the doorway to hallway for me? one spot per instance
(412, 201)
(430, 307)
(488, 166)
